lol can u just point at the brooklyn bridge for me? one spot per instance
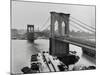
(59, 40)
(60, 36)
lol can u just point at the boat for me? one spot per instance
(44, 62)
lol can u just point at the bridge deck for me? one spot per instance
(77, 42)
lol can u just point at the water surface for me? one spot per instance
(22, 51)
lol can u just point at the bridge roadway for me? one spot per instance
(77, 42)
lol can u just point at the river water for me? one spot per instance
(22, 50)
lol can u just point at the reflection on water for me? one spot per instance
(22, 51)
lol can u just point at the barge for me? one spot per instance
(44, 62)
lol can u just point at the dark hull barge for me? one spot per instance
(44, 62)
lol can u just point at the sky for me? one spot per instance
(37, 13)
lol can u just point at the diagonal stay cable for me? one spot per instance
(82, 23)
(82, 26)
(77, 27)
(46, 27)
(42, 26)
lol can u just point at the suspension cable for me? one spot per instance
(82, 23)
(77, 27)
(82, 26)
(46, 27)
(45, 23)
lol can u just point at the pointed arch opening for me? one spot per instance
(63, 28)
(56, 28)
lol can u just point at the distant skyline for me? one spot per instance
(24, 13)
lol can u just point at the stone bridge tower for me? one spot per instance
(57, 47)
(30, 33)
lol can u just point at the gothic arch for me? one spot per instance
(60, 17)
(63, 28)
